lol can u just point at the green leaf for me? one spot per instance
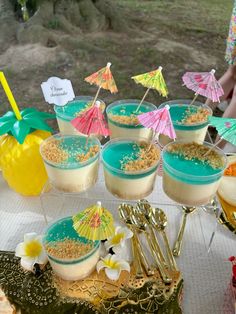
(7, 116)
(40, 115)
(27, 110)
(20, 130)
(5, 126)
(32, 120)
(37, 124)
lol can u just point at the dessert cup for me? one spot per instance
(130, 167)
(71, 110)
(71, 257)
(122, 119)
(190, 122)
(71, 161)
(227, 190)
(189, 177)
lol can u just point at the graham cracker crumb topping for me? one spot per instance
(92, 151)
(68, 248)
(191, 151)
(194, 117)
(53, 152)
(127, 120)
(146, 156)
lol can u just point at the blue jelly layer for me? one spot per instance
(63, 229)
(71, 110)
(74, 146)
(182, 170)
(127, 109)
(178, 112)
(117, 151)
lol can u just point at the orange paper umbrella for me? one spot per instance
(94, 223)
(103, 79)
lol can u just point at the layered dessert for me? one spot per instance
(192, 172)
(130, 167)
(70, 111)
(71, 257)
(123, 121)
(71, 162)
(190, 122)
(227, 190)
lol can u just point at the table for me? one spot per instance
(206, 275)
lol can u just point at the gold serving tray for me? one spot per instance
(47, 294)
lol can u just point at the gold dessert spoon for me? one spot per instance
(178, 243)
(159, 220)
(136, 252)
(144, 208)
(143, 227)
(149, 270)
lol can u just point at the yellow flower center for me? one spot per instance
(33, 248)
(117, 238)
(111, 264)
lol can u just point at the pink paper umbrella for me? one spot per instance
(205, 84)
(159, 121)
(91, 121)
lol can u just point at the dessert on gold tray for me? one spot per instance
(71, 256)
(227, 194)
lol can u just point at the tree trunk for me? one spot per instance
(8, 25)
(71, 17)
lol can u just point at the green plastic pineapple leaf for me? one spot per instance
(31, 120)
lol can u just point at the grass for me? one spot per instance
(180, 35)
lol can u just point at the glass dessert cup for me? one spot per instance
(186, 123)
(71, 161)
(137, 181)
(71, 110)
(122, 119)
(192, 180)
(227, 191)
(71, 257)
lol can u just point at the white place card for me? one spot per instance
(57, 91)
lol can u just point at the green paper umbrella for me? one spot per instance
(226, 128)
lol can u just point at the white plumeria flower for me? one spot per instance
(31, 251)
(117, 241)
(113, 266)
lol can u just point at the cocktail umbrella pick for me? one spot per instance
(94, 223)
(226, 128)
(151, 80)
(103, 79)
(92, 121)
(204, 84)
(159, 121)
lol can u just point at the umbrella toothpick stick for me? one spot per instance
(142, 100)
(192, 102)
(208, 152)
(10, 96)
(153, 137)
(96, 96)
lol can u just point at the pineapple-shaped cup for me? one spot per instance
(21, 134)
(20, 161)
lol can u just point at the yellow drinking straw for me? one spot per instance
(10, 96)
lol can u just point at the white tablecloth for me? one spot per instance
(206, 276)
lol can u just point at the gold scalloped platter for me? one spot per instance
(47, 294)
(227, 195)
